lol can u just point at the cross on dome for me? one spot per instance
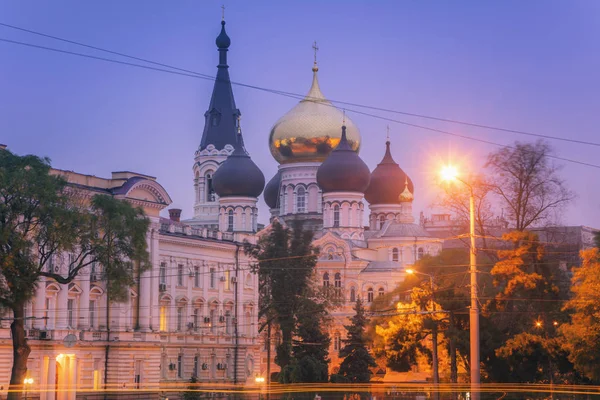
(315, 48)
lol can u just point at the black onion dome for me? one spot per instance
(223, 41)
(343, 170)
(388, 181)
(238, 175)
(271, 193)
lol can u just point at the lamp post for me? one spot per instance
(436, 376)
(450, 174)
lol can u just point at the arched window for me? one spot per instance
(352, 294)
(370, 294)
(244, 221)
(210, 192)
(381, 291)
(336, 216)
(381, 221)
(326, 279)
(420, 253)
(394, 254)
(301, 200)
(337, 281)
(230, 220)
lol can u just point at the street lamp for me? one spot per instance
(449, 173)
(27, 382)
(436, 377)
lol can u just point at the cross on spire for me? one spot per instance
(223, 12)
(344, 118)
(315, 48)
(388, 133)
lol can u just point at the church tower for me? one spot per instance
(218, 140)
(390, 193)
(300, 141)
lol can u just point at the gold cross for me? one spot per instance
(223, 13)
(315, 48)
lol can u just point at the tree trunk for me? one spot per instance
(21, 352)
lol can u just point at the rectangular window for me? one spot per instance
(212, 278)
(196, 361)
(70, 318)
(228, 322)
(179, 318)
(46, 312)
(180, 366)
(92, 313)
(196, 319)
(163, 273)
(197, 277)
(213, 323)
(227, 280)
(180, 275)
(138, 374)
(93, 272)
(163, 318)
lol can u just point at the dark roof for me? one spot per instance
(221, 116)
(271, 193)
(343, 170)
(238, 175)
(388, 181)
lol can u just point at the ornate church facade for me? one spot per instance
(194, 313)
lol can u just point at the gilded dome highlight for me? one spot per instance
(310, 130)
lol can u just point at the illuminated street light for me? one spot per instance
(449, 173)
(538, 324)
(259, 379)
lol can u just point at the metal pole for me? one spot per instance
(436, 376)
(474, 311)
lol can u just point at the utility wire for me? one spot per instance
(295, 96)
(453, 121)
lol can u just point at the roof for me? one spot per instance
(392, 229)
(380, 266)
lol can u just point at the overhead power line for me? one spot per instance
(287, 94)
(449, 120)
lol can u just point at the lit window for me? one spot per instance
(227, 280)
(370, 295)
(301, 200)
(163, 318)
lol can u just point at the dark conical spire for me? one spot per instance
(220, 119)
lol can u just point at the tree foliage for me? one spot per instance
(357, 360)
(582, 334)
(45, 221)
(285, 265)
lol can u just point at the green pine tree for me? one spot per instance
(357, 359)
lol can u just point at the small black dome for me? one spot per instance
(271, 193)
(223, 41)
(388, 181)
(343, 170)
(238, 175)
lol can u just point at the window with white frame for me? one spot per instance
(92, 313)
(326, 279)
(213, 278)
(301, 200)
(395, 254)
(210, 192)
(179, 275)
(352, 294)
(228, 322)
(196, 276)
(336, 216)
(230, 221)
(180, 366)
(70, 313)
(162, 273)
(179, 318)
(370, 294)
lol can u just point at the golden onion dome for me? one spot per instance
(406, 195)
(310, 130)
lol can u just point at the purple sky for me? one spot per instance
(526, 65)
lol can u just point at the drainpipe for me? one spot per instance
(235, 326)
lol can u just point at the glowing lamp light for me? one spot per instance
(449, 173)
(538, 324)
(28, 381)
(555, 323)
(410, 271)
(259, 379)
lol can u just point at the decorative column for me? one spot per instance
(145, 291)
(51, 379)
(153, 292)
